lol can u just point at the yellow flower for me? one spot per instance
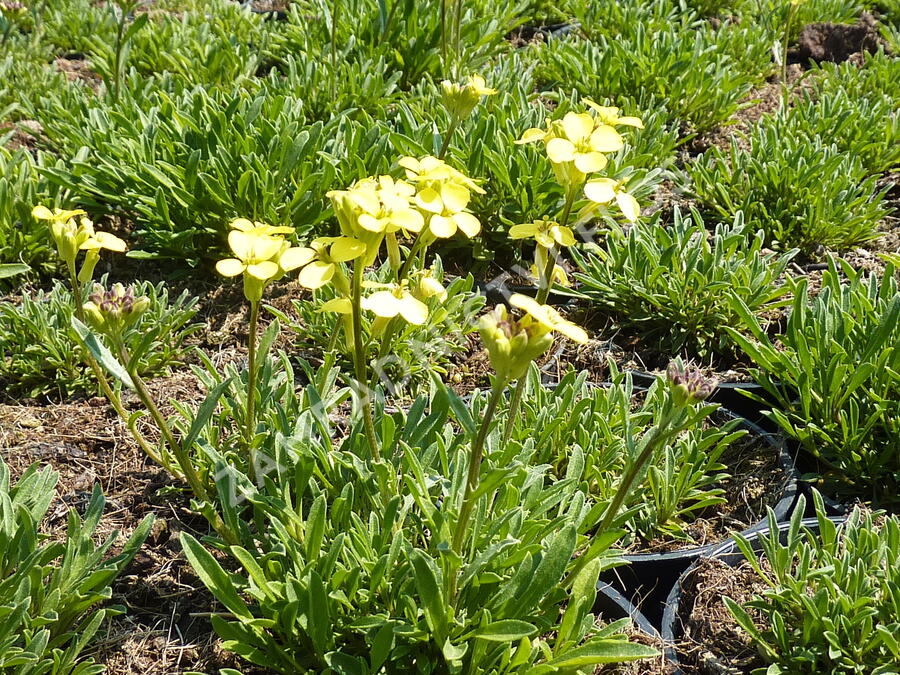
(548, 318)
(393, 300)
(71, 236)
(430, 287)
(577, 138)
(461, 99)
(324, 257)
(605, 190)
(546, 232)
(443, 194)
(385, 205)
(609, 115)
(396, 300)
(261, 255)
(256, 228)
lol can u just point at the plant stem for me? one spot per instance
(250, 422)
(120, 36)
(111, 395)
(475, 457)
(444, 36)
(784, 48)
(660, 433)
(335, 11)
(359, 358)
(454, 123)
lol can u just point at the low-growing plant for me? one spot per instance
(834, 377)
(51, 592)
(802, 192)
(673, 284)
(830, 605)
(38, 352)
(590, 434)
(684, 72)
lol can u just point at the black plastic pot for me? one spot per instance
(611, 605)
(528, 33)
(728, 552)
(648, 577)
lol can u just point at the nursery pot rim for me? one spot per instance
(729, 553)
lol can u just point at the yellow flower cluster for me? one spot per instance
(72, 232)
(577, 145)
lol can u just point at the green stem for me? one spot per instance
(250, 422)
(359, 358)
(411, 257)
(457, 39)
(454, 123)
(335, 11)
(784, 48)
(444, 37)
(660, 433)
(475, 457)
(120, 34)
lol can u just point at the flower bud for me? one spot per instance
(461, 99)
(688, 384)
(112, 311)
(512, 344)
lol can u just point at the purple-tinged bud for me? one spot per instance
(688, 384)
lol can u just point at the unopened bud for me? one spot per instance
(688, 384)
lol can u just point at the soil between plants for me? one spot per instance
(713, 643)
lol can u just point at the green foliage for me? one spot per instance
(835, 378)
(831, 602)
(39, 354)
(590, 434)
(347, 577)
(682, 69)
(185, 166)
(803, 192)
(675, 284)
(25, 76)
(50, 591)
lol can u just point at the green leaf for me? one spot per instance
(214, 577)
(99, 351)
(506, 630)
(12, 269)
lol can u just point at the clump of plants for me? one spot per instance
(777, 182)
(833, 376)
(674, 283)
(830, 605)
(423, 538)
(591, 435)
(52, 592)
(38, 356)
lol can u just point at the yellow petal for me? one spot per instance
(600, 190)
(371, 223)
(429, 200)
(523, 231)
(571, 331)
(544, 239)
(382, 303)
(413, 310)
(606, 139)
(441, 227)
(316, 274)
(241, 244)
(241, 224)
(110, 242)
(347, 248)
(337, 305)
(294, 257)
(589, 162)
(577, 126)
(408, 219)
(527, 304)
(531, 135)
(230, 267)
(42, 213)
(630, 122)
(629, 206)
(263, 271)
(467, 223)
(560, 150)
(455, 197)
(563, 236)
